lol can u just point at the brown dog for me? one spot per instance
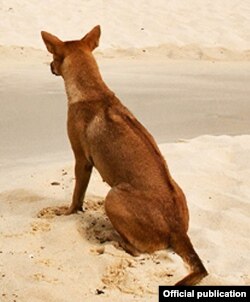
(145, 205)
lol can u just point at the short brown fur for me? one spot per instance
(145, 205)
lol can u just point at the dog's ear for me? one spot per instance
(92, 38)
(53, 44)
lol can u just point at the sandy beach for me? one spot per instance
(183, 70)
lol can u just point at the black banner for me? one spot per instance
(200, 293)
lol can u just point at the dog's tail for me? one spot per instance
(182, 245)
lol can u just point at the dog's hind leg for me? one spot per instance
(182, 245)
(130, 213)
(145, 229)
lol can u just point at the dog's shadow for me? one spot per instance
(95, 226)
(92, 224)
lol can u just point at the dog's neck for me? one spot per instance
(83, 81)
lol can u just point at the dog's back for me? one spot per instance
(119, 146)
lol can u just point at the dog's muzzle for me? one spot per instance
(53, 69)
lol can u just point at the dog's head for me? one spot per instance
(61, 50)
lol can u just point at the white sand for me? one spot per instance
(55, 258)
(176, 29)
(47, 258)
